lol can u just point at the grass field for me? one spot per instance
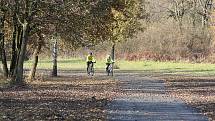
(204, 69)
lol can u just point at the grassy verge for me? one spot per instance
(199, 69)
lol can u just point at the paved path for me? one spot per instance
(145, 99)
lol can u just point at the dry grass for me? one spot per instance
(198, 92)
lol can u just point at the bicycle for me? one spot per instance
(90, 69)
(110, 70)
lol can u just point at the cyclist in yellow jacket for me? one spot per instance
(90, 60)
(108, 62)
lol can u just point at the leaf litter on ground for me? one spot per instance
(61, 98)
(199, 92)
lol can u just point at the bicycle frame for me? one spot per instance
(90, 70)
(110, 70)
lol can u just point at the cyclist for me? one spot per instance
(109, 61)
(90, 60)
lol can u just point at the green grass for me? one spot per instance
(164, 67)
(170, 67)
(65, 64)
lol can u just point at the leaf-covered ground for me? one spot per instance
(198, 92)
(71, 98)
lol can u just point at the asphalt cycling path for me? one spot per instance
(146, 99)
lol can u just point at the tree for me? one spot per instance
(126, 20)
(54, 54)
(101, 20)
(2, 38)
(178, 10)
(78, 23)
(182, 10)
(206, 6)
(37, 49)
(23, 16)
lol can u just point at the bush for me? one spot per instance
(148, 56)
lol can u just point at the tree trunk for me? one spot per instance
(204, 18)
(113, 52)
(35, 62)
(15, 39)
(19, 38)
(113, 57)
(21, 57)
(180, 26)
(206, 8)
(18, 48)
(3, 53)
(54, 54)
(4, 60)
(14, 52)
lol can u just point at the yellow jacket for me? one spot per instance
(109, 60)
(90, 58)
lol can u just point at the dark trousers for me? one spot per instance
(88, 64)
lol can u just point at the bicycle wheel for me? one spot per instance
(108, 70)
(111, 69)
(89, 69)
(92, 71)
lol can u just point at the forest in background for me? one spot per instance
(177, 30)
(174, 30)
